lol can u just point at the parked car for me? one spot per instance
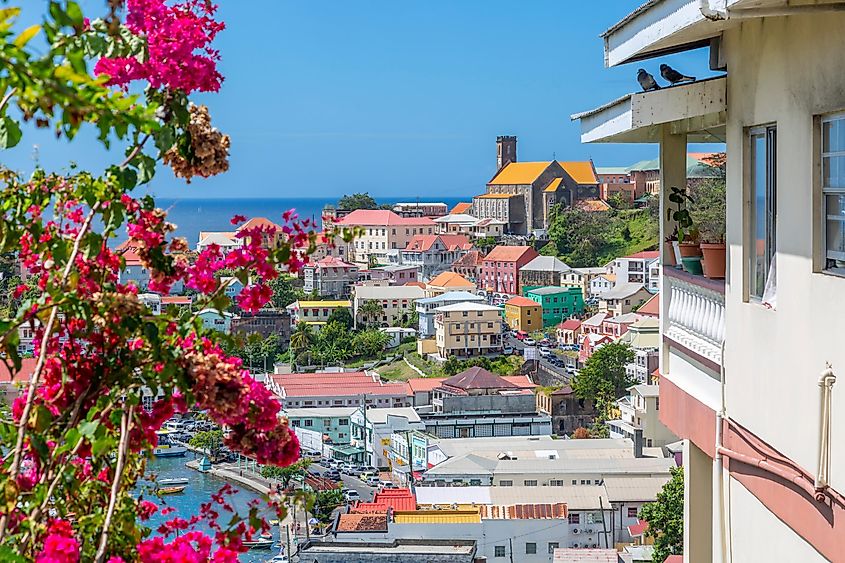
(507, 350)
(372, 480)
(545, 352)
(520, 335)
(332, 474)
(387, 484)
(529, 342)
(544, 342)
(571, 370)
(356, 470)
(312, 454)
(351, 494)
(347, 468)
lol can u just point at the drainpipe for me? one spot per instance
(826, 381)
(710, 13)
(718, 471)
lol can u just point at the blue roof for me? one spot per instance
(456, 296)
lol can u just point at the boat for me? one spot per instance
(258, 544)
(166, 450)
(266, 536)
(279, 558)
(175, 481)
(171, 490)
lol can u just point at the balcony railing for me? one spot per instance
(696, 315)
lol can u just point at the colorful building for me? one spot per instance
(523, 314)
(500, 272)
(557, 303)
(315, 313)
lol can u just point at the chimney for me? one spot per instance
(505, 151)
(638, 442)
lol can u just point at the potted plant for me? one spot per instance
(688, 235)
(709, 215)
(671, 255)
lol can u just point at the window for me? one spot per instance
(343, 422)
(553, 545)
(574, 481)
(530, 482)
(530, 548)
(309, 422)
(833, 191)
(632, 512)
(507, 483)
(556, 483)
(499, 551)
(574, 518)
(762, 196)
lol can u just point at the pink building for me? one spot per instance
(500, 272)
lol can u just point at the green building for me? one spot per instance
(558, 303)
(332, 422)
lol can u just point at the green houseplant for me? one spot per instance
(709, 214)
(688, 234)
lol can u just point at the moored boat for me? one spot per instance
(174, 481)
(171, 490)
(166, 450)
(258, 544)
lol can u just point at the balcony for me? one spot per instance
(696, 313)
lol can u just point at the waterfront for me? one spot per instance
(199, 491)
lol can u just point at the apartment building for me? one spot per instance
(623, 298)
(557, 302)
(397, 304)
(500, 270)
(523, 314)
(468, 329)
(315, 313)
(583, 278)
(373, 427)
(469, 266)
(759, 486)
(427, 308)
(334, 423)
(381, 230)
(639, 413)
(542, 271)
(329, 277)
(431, 254)
(634, 268)
(266, 322)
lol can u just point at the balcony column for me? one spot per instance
(698, 504)
(673, 172)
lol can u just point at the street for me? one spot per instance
(351, 482)
(519, 347)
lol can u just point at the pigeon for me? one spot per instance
(646, 81)
(673, 76)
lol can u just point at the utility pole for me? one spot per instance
(364, 408)
(603, 523)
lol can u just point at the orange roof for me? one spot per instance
(176, 300)
(362, 522)
(421, 384)
(520, 381)
(415, 284)
(381, 217)
(646, 254)
(460, 208)
(451, 279)
(520, 301)
(519, 173)
(26, 371)
(423, 243)
(651, 308)
(495, 196)
(260, 222)
(581, 171)
(509, 253)
(549, 511)
(397, 499)
(592, 205)
(553, 185)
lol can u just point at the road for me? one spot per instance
(518, 347)
(350, 482)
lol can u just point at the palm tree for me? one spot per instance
(370, 310)
(300, 340)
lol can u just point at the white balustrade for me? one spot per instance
(696, 318)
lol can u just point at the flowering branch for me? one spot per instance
(118, 475)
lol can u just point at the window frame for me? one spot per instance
(499, 551)
(768, 132)
(824, 192)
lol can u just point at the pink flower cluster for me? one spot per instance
(191, 547)
(60, 546)
(179, 50)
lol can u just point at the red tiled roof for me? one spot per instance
(176, 300)
(420, 384)
(362, 522)
(423, 243)
(520, 301)
(651, 308)
(674, 559)
(26, 371)
(469, 260)
(524, 511)
(510, 253)
(329, 384)
(382, 217)
(570, 324)
(129, 250)
(646, 254)
(260, 222)
(460, 208)
(522, 381)
(333, 262)
(416, 284)
(478, 378)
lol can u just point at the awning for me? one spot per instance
(698, 110)
(348, 450)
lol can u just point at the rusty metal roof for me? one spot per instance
(524, 511)
(362, 522)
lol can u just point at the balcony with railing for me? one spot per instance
(695, 320)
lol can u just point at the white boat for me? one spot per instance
(258, 544)
(176, 481)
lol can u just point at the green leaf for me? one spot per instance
(146, 168)
(26, 35)
(10, 133)
(74, 12)
(88, 428)
(102, 445)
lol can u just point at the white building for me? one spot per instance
(397, 303)
(601, 284)
(152, 301)
(373, 428)
(633, 268)
(639, 413)
(760, 485)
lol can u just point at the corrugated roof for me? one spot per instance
(546, 264)
(397, 499)
(552, 290)
(651, 308)
(423, 243)
(451, 279)
(381, 217)
(622, 290)
(462, 207)
(570, 324)
(580, 555)
(321, 304)
(362, 523)
(553, 185)
(420, 384)
(470, 259)
(437, 517)
(504, 253)
(389, 292)
(581, 171)
(520, 301)
(640, 489)
(478, 378)
(524, 511)
(519, 173)
(614, 170)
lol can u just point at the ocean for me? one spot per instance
(194, 215)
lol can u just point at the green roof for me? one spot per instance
(695, 168)
(348, 450)
(611, 170)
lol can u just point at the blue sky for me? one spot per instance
(404, 99)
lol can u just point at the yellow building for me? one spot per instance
(315, 313)
(468, 329)
(523, 314)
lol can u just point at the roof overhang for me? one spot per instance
(697, 109)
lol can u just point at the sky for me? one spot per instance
(323, 98)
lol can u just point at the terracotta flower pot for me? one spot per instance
(713, 260)
(689, 249)
(669, 254)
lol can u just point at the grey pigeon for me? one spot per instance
(646, 80)
(673, 76)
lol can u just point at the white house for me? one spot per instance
(759, 486)
(600, 284)
(639, 412)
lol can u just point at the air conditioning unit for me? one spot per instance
(575, 531)
(575, 545)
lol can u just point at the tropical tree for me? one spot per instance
(665, 518)
(284, 291)
(603, 378)
(351, 202)
(370, 343)
(208, 441)
(323, 504)
(370, 311)
(342, 316)
(286, 475)
(301, 340)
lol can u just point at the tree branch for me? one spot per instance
(125, 423)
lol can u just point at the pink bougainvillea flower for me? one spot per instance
(238, 219)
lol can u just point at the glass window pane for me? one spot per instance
(836, 242)
(835, 205)
(827, 133)
(759, 205)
